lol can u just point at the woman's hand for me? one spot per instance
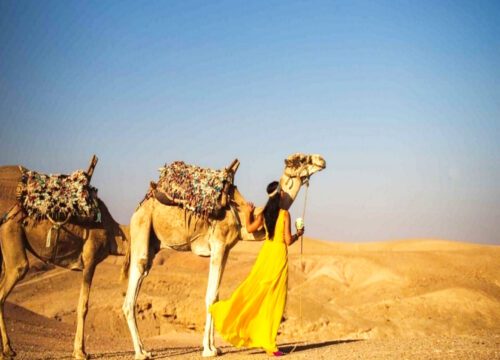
(297, 236)
(250, 208)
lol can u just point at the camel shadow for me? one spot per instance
(158, 353)
(167, 352)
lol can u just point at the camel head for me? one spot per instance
(298, 169)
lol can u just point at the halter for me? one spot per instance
(304, 179)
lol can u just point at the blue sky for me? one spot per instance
(401, 98)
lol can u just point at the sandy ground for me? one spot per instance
(419, 299)
(37, 337)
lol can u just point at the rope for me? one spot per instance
(304, 218)
(301, 261)
(302, 250)
(5, 216)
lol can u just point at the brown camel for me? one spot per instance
(80, 246)
(154, 226)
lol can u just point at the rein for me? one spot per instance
(6, 217)
(306, 182)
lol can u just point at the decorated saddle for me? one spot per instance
(200, 190)
(58, 196)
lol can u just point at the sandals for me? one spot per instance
(275, 353)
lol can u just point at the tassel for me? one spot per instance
(49, 236)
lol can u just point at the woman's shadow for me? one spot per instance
(301, 346)
(294, 347)
(287, 348)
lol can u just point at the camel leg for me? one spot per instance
(88, 274)
(15, 267)
(218, 256)
(140, 227)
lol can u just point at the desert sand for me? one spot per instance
(409, 299)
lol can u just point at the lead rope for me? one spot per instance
(6, 216)
(301, 263)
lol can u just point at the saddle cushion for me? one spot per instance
(58, 196)
(192, 187)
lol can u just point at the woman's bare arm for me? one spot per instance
(252, 224)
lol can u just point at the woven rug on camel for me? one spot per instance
(58, 196)
(192, 187)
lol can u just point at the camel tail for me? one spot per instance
(126, 263)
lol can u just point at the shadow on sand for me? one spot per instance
(294, 347)
(301, 346)
(166, 352)
(158, 353)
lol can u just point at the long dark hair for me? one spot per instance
(272, 208)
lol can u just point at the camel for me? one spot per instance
(83, 246)
(154, 226)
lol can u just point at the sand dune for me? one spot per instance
(406, 290)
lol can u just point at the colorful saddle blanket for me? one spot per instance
(58, 196)
(192, 187)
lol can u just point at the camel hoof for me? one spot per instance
(8, 353)
(211, 352)
(144, 355)
(80, 355)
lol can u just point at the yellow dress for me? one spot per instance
(252, 315)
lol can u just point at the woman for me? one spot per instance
(252, 315)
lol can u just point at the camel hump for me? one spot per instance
(10, 176)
